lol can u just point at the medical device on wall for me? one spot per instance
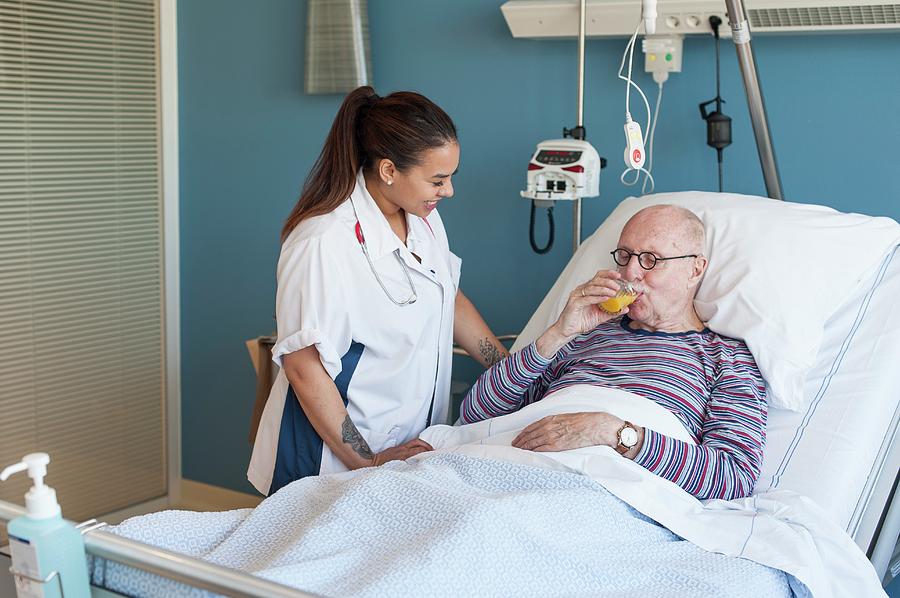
(47, 552)
(616, 18)
(662, 56)
(568, 168)
(563, 169)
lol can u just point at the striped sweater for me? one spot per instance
(710, 382)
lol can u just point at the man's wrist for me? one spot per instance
(549, 343)
(609, 434)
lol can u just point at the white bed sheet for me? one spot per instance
(832, 450)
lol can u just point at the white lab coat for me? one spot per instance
(391, 363)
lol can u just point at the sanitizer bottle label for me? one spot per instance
(24, 560)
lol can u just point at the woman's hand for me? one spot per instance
(402, 452)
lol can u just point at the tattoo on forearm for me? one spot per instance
(489, 352)
(350, 435)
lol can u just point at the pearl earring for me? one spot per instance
(390, 183)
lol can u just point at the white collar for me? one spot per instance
(380, 237)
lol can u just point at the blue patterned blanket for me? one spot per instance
(446, 525)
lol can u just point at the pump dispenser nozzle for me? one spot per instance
(40, 501)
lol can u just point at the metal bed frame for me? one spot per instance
(875, 527)
(189, 570)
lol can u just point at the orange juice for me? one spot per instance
(621, 300)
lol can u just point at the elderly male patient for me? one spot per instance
(657, 348)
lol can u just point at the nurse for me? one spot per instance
(368, 302)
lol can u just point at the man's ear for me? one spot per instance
(698, 270)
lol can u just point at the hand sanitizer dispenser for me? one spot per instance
(48, 558)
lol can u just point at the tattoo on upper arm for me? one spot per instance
(489, 352)
(350, 435)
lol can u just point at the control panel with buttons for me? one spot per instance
(663, 53)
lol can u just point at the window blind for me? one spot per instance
(81, 296)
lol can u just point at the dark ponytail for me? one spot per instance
(399, 127)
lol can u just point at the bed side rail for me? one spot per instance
(189, 570)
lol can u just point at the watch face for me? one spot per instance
(629, 437)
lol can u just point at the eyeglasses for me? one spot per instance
(646, 259)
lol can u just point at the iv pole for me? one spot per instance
(578, 132)
(740, 29)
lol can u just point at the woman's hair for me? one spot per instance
(368, 128)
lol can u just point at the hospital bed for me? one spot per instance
(841, 450)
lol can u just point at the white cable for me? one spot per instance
(638, 171)
(629, 53)
(628, 47)
(650, 144)
(629, 50)
(636, 178)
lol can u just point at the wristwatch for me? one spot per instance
(628, 437)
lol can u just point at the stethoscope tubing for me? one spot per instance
(362, 243)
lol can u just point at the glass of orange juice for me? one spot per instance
(625, 297)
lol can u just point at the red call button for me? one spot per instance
(636, 156)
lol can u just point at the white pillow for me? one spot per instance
(777, 271)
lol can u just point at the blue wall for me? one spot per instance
(249, 135)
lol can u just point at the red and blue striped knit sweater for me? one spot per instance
(710, 382)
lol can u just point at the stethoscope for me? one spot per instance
(362, 242)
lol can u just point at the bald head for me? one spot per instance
(681, 226)
(675, 236)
